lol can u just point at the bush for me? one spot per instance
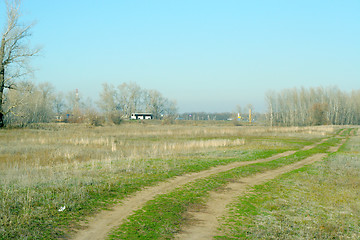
(95, 119)
(168, 120)
(115, 118)
(236, 122)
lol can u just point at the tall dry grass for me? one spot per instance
(66, 144)
(31, 156)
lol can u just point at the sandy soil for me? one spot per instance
(100, 225)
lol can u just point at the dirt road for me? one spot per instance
(100, 225)
(205, 223)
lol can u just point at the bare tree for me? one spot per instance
(17, 103)
(108, 101)
(159, 106)
(313, 106)
(14, 53)
(269, 97)
(46, 99)
(35, 103)
(129, 98)
(59, 103)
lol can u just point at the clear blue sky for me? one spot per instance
(207, 55)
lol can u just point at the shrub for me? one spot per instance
(115, 118)
(95, 119)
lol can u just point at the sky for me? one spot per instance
(206, 55)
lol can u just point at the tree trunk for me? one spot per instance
(2, 81)
(2, 87)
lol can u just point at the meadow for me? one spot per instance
(319, 201)
(53, 176)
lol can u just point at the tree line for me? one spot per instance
(313, 106)
(41, 103)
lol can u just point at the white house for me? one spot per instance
(146, 116)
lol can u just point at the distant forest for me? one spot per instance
(313, 106)
(40, 103)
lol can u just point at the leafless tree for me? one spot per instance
(128, 98)
(35, 103)
(159, 105)
(108, 100)
(269, 97)
(59, 103)
(14, 53)
(313, 106)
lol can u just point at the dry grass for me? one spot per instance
(28, 154)
(44, 169)
(66, 144)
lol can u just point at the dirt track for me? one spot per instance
(101, 224)
(205, 222)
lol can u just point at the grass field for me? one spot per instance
(164, 216)
(54, 176)
(320, 201)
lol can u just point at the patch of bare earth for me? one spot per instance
(336, 148)
(314, 145)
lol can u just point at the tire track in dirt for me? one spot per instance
(314, 145)
(336, 148)
(204, 223)
(100, 225)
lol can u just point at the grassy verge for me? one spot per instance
(319, 201)
(161, 218)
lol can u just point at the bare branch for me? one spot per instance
(11, 86)
(14, 53)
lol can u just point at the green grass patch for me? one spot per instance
(346, 132)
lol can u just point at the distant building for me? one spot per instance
(135, 116)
